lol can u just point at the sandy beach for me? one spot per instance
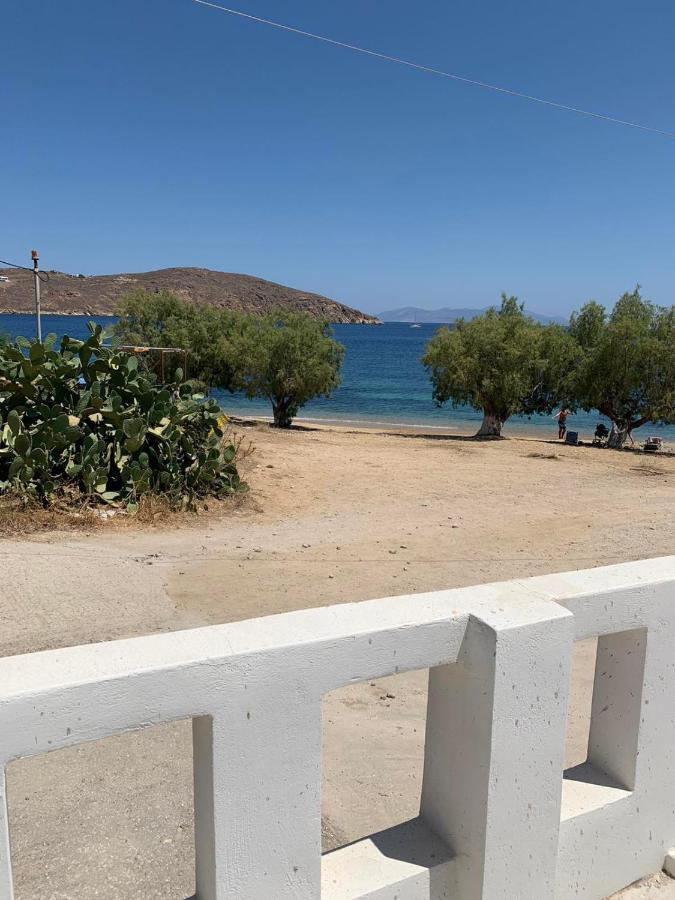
(334, 515)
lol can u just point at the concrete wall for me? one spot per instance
(498, 819)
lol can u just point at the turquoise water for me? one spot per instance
(383, 383)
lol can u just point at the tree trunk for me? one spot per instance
(282, 413)
(622, 430)
(620, 434)
(620, 438)
(491, 426)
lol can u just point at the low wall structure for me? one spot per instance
(499, 819)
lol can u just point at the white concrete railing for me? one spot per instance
(497, 818)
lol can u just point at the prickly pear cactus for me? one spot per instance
(84, 417)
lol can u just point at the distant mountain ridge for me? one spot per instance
(447, 315)
(98, 295)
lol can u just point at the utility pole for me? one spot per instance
(36, 278)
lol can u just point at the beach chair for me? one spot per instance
(572, 437)
(652, 445)
(601, 435)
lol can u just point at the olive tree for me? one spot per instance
(627, 366)
(286, 357)
(502, 363)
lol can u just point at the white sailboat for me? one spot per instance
(415, 323)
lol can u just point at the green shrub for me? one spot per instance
(83, 418)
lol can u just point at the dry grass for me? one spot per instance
(538, 454)
(154, 511)
(242, 443)
(21, 516)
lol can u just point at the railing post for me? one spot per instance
(258, 798)
(632, 734)
(6, 888)
(494, 755)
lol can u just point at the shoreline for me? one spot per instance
(381, 426)
(432, 432)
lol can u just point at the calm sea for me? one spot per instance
(383, 382)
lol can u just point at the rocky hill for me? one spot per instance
(99, 294)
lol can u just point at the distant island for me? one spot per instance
(447, 315)
(98, 295)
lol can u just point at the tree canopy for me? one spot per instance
(287, 357)
(163, 319)
(627, 364)
(502, 363)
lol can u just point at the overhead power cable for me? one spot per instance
(433, 71)
(43, 276)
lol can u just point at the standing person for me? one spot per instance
(561, 416)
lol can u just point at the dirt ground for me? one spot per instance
(333, 516)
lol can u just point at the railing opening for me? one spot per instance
(110, 818)
(580, 702)
(606, 733)
(373, 756)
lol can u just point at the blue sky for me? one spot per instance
(137, 135)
